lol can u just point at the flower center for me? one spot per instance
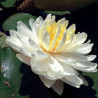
(56, 32)
(52, 31)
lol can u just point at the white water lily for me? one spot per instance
(53, 51)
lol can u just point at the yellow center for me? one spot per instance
(52, 31)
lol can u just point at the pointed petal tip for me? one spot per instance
(31, 20)
(77, 86)
(58, 87)
(86, 83)
(74, 25)
(18, 56)
(47, 86)
(48, 83)
(18, 22)
(95, 70)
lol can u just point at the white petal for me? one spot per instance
(71, 56)
(75, 43)
(40, 65)
(65, 24)
(35, 50)
(62, 20)
(47, 83)
(89, 67)
(31, 49)
(74, 47)
(73, 81)
(39, 20)
(22, 39)
(70, 83)
(67, 45)
(68, 69)
(42, 68)
(39, 55)
(42, 30)
(58, 87)
(14, 43)
(28, 46)
(78, 62)
(38, 24)
(56, 66)
(84, 81)
(84, 66)
(31, 22)
(91, 57)
(12, 32)
(81, 38)
(32, 25)
(46, 40)
(92, 68)
(23, 29)
(70, 31)
(18, 45)
(24, 58)
(53, 20)
(85, 49)
(33, 44)
(51, 75)
(25, 52)
(48, 17)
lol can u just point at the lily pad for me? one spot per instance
(58, 12)
(11, 22)
(7, 3)
(10, 76)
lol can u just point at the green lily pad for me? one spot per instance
(7, 3)
(2, 40)
(10, 76)
(11, 22)
(58, 12)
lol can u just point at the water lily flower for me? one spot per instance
(54, 51)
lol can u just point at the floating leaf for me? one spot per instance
(10, 76)
(7, 3)
(11, 22)
(2, 40)
(58, 12)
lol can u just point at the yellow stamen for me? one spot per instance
(52, 29)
